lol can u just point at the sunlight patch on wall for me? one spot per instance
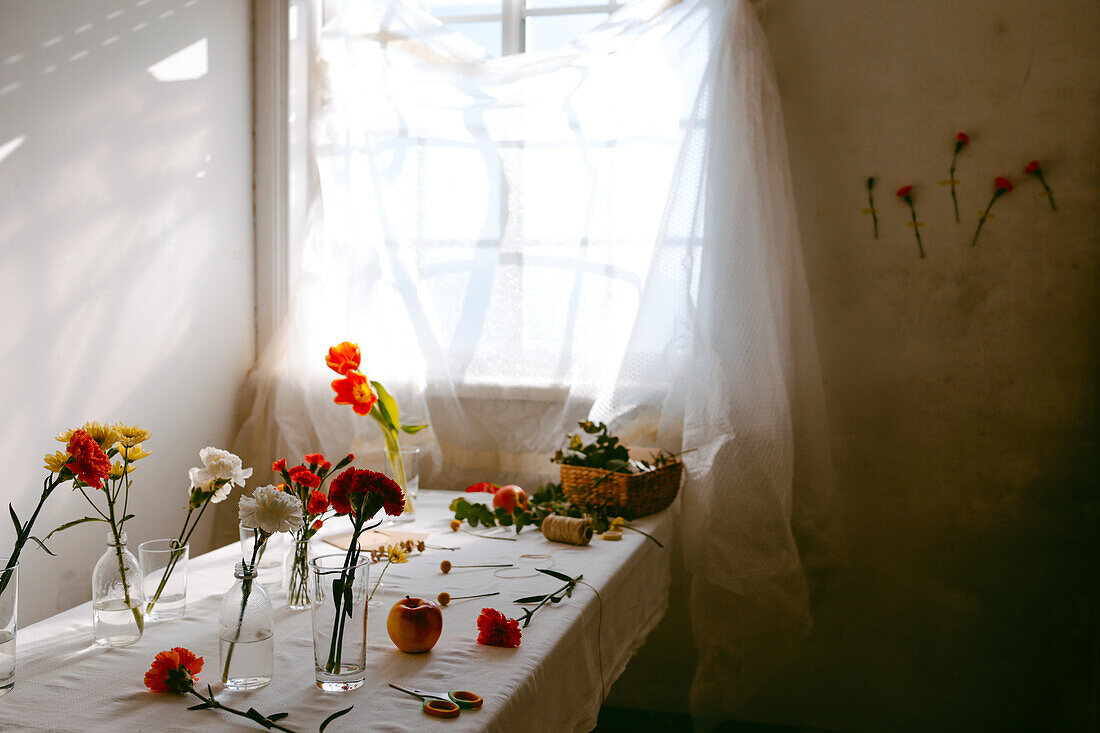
(184, 65)
(10, 146)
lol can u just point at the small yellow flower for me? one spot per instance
(116, 469)
(132, 453)
(398, 554)
(617, 522)
(130, 435)
(56, 462)
(105, 435)
(455, 524)
(575, 442)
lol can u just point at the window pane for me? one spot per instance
(566, 3)
(463, 7)
(551, 32)
(489, 35)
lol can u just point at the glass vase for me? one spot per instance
(118, 600)
(406, 472)
(296, 555)
(9, 623)
(246, 633)
(339, 615)
(164, 567)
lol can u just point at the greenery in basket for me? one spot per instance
(546, 500)
(604, 451)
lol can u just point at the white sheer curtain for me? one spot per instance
(602, 231)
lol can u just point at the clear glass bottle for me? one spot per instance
(246, 633)
(118, 599)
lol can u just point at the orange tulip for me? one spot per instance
(354, 390)
(344, 358)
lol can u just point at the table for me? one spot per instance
(551, 682)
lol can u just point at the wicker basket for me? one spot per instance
(640, 493)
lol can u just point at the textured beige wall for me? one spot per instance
(961, 388)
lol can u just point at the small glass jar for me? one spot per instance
(118, 600)
(164, 566)
(246, 633)
(296, 557)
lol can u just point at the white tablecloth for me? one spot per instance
(550, 683)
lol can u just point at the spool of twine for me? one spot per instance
(570, 530)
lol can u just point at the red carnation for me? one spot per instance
(905, 192)
(494, 629)
(962, 138)
(1031, 167)
(1002, 184)
(279, 466)
(305, 477)
(363, 493)
(174, 670)
(318, 503)
(317, 525)
(484, 486)
(313, 459)
(87, 460)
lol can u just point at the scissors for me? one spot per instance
(444, 704)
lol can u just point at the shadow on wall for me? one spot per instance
(125, 227)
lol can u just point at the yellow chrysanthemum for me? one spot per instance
(116, 469)
(131, 435)
(132, 453)
(398, 554)
(56, 462)
(105, 435)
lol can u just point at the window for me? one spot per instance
(504, 27)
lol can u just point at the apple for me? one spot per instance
(414, 625)
(509, 497)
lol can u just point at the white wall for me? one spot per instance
(125, 252)
(961, 388)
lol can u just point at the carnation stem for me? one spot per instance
(916, 227)
(266, 723)
(984, 215)
(48, 485)
(181, 542)
(1050, 194)
(954, 200)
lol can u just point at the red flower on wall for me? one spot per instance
(1001, 186)
(1033, 169)
(905, 193)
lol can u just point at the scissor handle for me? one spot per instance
(441, 708)
(466, 700)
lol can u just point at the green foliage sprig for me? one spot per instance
(566, 591)
(546, 500)
(605, 451)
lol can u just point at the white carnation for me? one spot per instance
(221, 469)
(270, 510)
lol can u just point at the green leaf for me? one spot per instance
(73, 523)
(530, 599)
(256, 715)
(554, 574)
(412, 429)
(278, 716)
(348, 607)
(387, 407)
(333, 717)
(15, 520)
(201, 706)
(42, 544)
(337, 589)
(472, 519)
